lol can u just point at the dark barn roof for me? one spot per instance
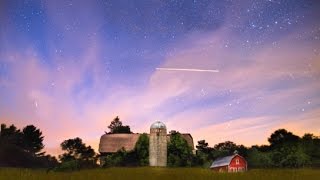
(111, 143)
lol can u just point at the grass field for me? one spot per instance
(159, 173)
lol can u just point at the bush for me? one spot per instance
(67, 166)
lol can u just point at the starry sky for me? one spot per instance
(69, 67)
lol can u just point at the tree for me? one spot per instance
(203, 154)
(73, 148)
(116, 123)
(257, 159)
(282, 136)
(290, 155)
(139, 156)
(179, 151)
(76, 150)
(287, 150)
(224, 149)
(116, 159)
(117, 127)
(311, 146)
(32, 139)
(203, 146)
(227, 146)
(11, 135)
(21, 148)
(142, 149)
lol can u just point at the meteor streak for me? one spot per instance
(191, 70)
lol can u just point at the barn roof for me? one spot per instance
(224, 161)
(111, 143)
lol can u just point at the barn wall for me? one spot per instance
(239, 167)
(220, 169)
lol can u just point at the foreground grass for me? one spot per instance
(160, 173)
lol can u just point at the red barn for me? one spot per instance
(234, 163)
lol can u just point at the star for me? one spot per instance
(36, 104)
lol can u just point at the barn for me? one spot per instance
(233, 163)
(111, 143)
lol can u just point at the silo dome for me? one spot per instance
(158, 125)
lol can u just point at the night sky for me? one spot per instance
(70, 67)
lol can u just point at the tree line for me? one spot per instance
(24, 148)
(285, 150)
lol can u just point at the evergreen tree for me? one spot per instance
(117, 127)
(32, 139)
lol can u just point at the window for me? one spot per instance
(237, 161)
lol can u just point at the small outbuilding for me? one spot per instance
(233, 163)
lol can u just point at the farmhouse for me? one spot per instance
(233, 163)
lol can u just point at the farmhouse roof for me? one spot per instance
(224, 161)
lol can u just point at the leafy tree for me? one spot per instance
(115, 159)
(117, 127)
(120, 158)
(287, 150)
(223, 149)
(139, 156)
(290, 156)
(227, 146)
(32, 139)
(142, 150)
(73, 148)
(179, 151)
(257, 159)
(70, 165)
(242, 150)
(49, 161)
(76, 150)
(311, 146)
(262, 148)
(282, 136)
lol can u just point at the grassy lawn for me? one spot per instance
(159, 173)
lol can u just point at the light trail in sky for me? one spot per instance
(190, 70)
